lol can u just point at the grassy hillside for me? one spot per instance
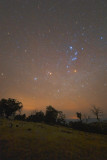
(35, 141)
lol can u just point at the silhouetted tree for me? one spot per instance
(2, 107)
(61, 118)
(79, 115)
(51, 115)
(9, 107)
(36, 116)
(54, 116)
(39, 116)
(96, 111)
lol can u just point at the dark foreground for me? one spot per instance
(35, 141)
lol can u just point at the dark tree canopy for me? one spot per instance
(53, 116)
(9, 107)
(61, 118)
(36, 116)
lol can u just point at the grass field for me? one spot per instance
(35, 141)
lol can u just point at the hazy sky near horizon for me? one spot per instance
(54, 52)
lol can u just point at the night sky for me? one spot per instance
(54, 52)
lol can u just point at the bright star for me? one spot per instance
(2, 74)
(75, 58)
(67, 66)
(70, 47)
(101, 37)
(50, 73)
(76, 53)
(35, 78)
(75, 71)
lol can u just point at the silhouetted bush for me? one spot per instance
(36, 117)
(92, 127)
(20, 117)
(52, 116)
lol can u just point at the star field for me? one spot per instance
(54, 53)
